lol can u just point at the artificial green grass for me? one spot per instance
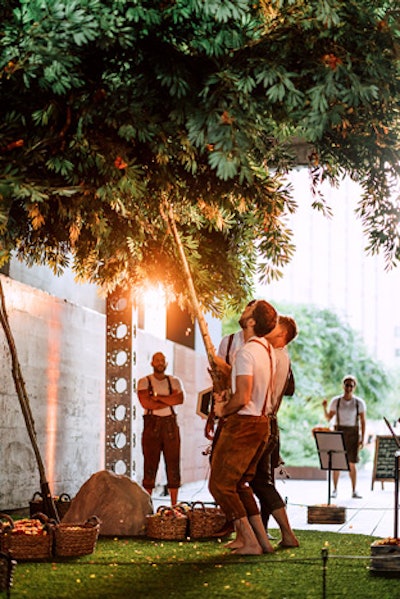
(125, 568)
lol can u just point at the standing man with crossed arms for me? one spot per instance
(158, 394)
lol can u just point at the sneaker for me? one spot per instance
(334, 494)
(356, 495)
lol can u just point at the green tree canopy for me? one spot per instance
(113, 110)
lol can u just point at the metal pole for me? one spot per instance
(396, 492)
(324, 554)
(329, 475)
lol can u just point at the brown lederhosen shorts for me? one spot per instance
(161, 434)
(263, 481)
(350, 440)
(233, 463)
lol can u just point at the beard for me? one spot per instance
(159, 369)
(242, 322)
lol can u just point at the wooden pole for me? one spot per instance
(219, 378)
(211, 353)
(48, 502)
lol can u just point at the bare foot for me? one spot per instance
(248, 550)
(234, 544)
(289, 542)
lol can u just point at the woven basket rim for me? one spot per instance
(167, 527)
(76, 526)
(25, 547)
(205, 521)
(75, 539)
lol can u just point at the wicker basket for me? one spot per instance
(62, 504)
(167, 523)
(73, 540)
(205, 521)
(35, 542)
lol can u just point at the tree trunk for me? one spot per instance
(48, 502)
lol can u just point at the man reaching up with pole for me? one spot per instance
(245, 431)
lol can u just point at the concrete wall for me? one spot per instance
(63, 286)
(61, 351)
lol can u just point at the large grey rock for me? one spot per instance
(121, 504)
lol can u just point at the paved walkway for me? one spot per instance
(373, 515)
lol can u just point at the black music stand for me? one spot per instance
(332, 453)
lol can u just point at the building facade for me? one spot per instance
(331, 269)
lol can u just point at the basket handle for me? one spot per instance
(37, 496)
(93, 521)
(48, 523)
(200, 504)
(10, 522)
(40, 516)
(64, 497)
(183, 506)
(164, 508)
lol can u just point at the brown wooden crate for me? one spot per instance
(385, 558)
(326, 514)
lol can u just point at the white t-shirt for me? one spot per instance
(347, 409)
(257, 359)
(160, 387)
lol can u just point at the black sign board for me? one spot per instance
(204, 402)
(384, 460)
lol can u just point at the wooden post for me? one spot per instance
(219, 378)
(48, 502)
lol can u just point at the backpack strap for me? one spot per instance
(287, 390)
(290, 386)
(228, 349)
